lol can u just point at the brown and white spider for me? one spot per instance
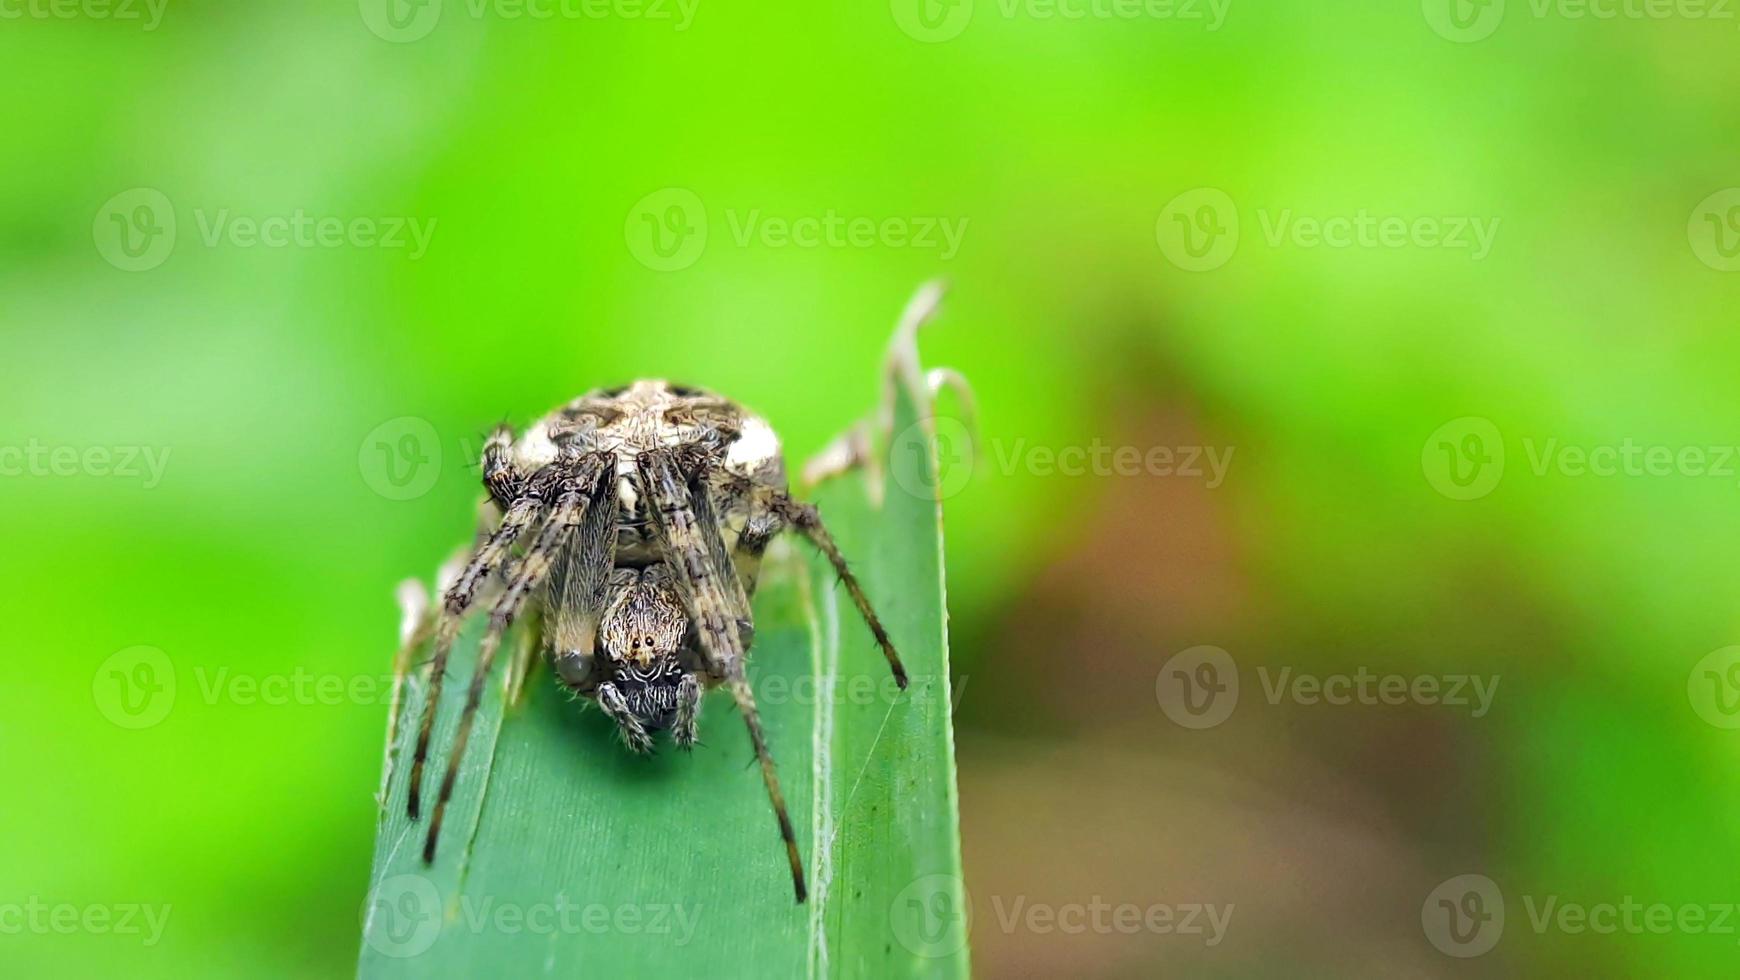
(642, 514)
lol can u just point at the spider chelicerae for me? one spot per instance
(635, 519)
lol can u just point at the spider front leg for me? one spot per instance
(694, 548)
(578, 590)
(686, 730)
(460, 595)
(765, 501)
(615, 707)
(760, 527)
(808, 520)
(589, 487)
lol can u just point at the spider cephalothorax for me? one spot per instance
(636, 518)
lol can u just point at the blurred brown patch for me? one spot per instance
(1079, 794)
(1114, 821)
(1154, 567)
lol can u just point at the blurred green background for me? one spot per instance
(1101, 297)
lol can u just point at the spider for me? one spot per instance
(642, 514)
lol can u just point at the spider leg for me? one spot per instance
(805, 518)
(850, 450)
(686, 730)
(853, 448)
(708, 591)
(567, 513)
(739, 582)
(615, 707)
(416, 625)
(578, 591)
(457, 601)
(737, 496)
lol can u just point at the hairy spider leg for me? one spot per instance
(708, 593)
(589, 488)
